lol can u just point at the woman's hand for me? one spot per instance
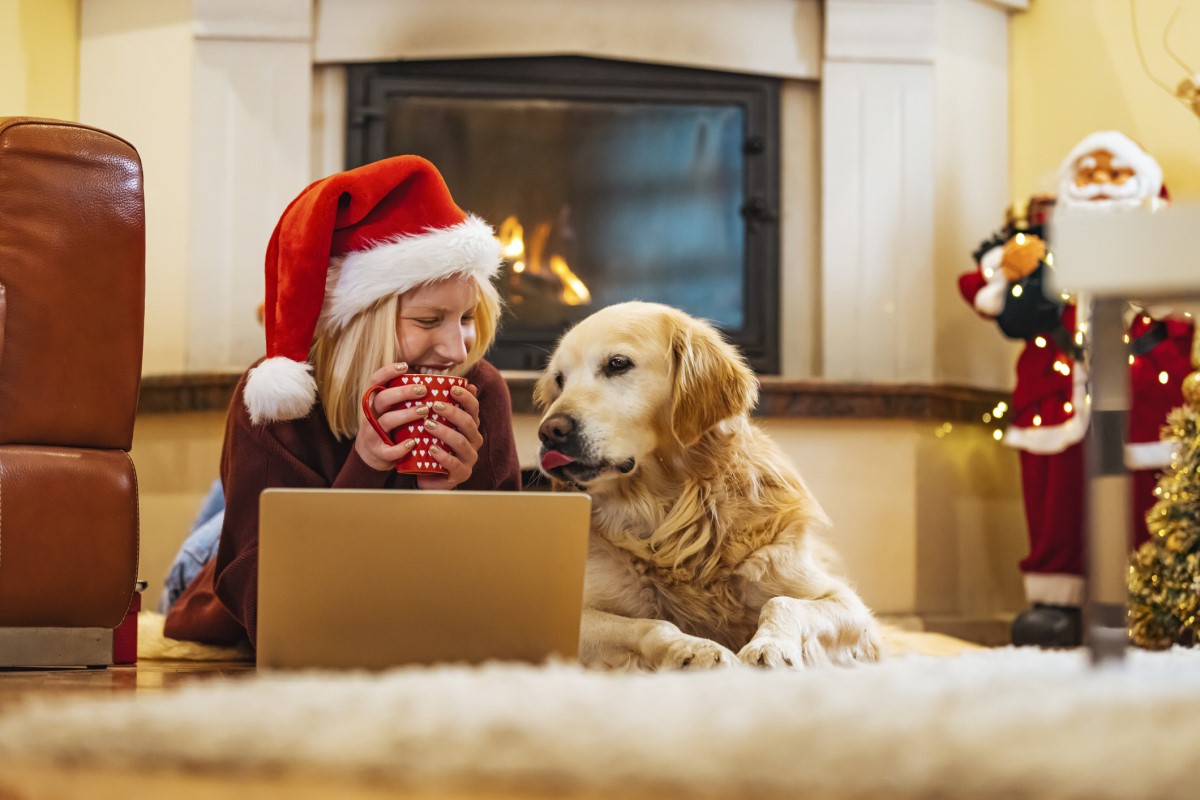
(465, 442)
(374, 451)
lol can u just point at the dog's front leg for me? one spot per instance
(836, 629)
(613, 641)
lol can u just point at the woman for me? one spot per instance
(370, 273)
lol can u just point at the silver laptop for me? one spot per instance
(369, 579)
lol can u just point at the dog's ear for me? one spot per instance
(544, 391)
(712, 380)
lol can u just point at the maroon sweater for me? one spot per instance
(220, 605)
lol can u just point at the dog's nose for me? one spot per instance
(555, 430)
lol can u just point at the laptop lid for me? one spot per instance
(369, 579)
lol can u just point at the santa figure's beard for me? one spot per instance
(1102, 196)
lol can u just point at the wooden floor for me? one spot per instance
(148, 676)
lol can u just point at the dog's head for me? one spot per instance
(630, 381)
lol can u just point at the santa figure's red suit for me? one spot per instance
(1048, 417)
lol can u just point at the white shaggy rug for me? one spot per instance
(1001, 723)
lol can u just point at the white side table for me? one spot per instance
(1149, 257)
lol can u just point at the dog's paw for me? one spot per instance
(771, 651)
(865, 647)
(692, 652)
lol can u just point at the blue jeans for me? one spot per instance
(199, 546)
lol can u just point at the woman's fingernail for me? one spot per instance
(439, 406)
(400, 367)
(419, 390)
(433, 448)
(430, 424)
(422, 410)
(409, 444)
(456, 391)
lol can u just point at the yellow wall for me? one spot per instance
(1074, 69)
(39, 58)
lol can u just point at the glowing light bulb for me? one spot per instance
(997, 435)
(1068, 407)
(1163, 377)
(1037, 420)
(1040, 341)
(1016, 290)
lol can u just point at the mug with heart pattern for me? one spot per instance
(418, 461)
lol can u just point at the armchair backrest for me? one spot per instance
(72, 285)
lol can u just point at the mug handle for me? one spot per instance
(368, 400)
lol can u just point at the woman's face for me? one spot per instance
(436, 324)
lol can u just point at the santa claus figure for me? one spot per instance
(1013, 285)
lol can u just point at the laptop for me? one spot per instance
(370, 579)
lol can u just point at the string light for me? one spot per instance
(1068, 407)
(1037, 420)
(997, 434)
(1016, 290)
(1163, 377)
(1040, 341)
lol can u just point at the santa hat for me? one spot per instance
(398, 228)
(1149, 173)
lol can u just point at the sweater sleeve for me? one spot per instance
(293, 454)
(498, 468)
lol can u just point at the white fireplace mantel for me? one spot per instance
(239, 105)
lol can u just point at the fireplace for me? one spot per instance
(607, 181)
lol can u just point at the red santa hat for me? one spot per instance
(1148, 172)
(397, 227)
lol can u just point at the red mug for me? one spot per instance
(418, 461)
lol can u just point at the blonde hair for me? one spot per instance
(343, 359)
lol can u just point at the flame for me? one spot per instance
(575, 291)
(512, 238)
(569, 288)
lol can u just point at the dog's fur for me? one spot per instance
(704, 546)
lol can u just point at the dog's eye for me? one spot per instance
(617, 365)
(558, 379)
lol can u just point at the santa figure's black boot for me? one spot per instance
(1048, 626)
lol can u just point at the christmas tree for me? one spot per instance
(1164, 576)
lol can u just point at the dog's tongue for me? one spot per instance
(553, 459)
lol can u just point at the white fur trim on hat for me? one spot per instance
(1147, 170)
(279, 389)
(396, 265)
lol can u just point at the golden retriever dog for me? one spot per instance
(705, 546)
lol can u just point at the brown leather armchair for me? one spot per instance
(72, 303)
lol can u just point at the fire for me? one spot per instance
(529, 267)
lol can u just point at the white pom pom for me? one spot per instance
(280, 389)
